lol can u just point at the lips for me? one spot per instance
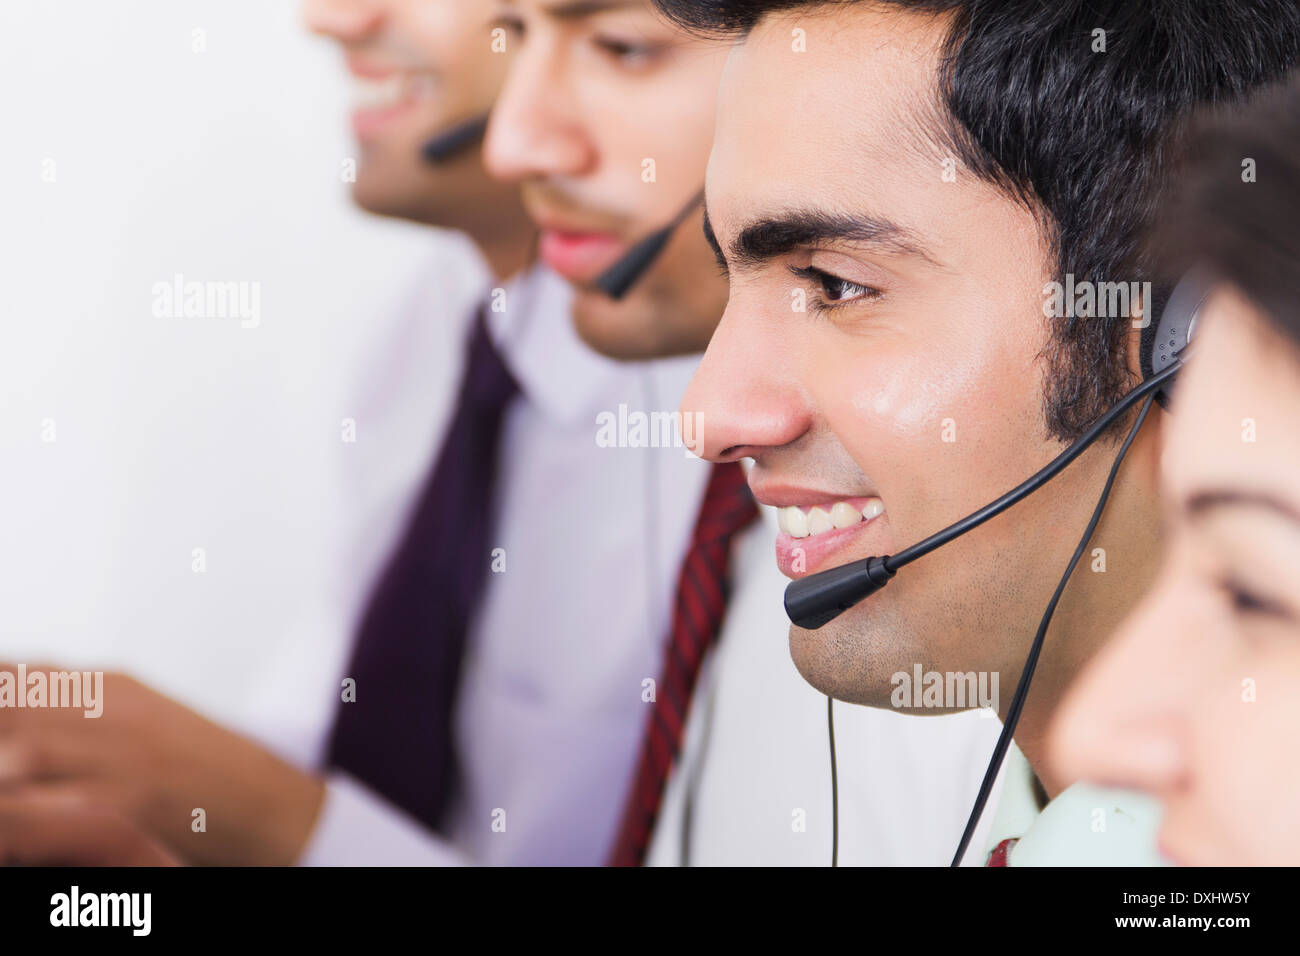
(818, 534)
(382, 97)
(579, 256)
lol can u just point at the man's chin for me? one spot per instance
(826, 659)
(615, 329)
(391, 181)
(634, 329)
(378, 196)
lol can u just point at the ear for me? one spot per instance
(1144, 458)
(1141, 320)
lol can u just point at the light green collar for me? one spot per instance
(1084, 826)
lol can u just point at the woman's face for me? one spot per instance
(1197, 698)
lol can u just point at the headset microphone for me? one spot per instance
(618, 279)
(455, 140)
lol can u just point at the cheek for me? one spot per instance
(902, 402)
(888, 418)
(471, 84)
(924, 432)
(1246, 755)
(940, 390)
(645, 183)
(654, 176)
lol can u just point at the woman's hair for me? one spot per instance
(1236, 209)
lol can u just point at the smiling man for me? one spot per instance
(606, 121)
(422, 71)
(893, 185)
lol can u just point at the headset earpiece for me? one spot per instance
(1164, 339)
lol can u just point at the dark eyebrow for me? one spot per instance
(1201, 502)
(766, 238)
(578, 9)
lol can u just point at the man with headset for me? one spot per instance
(606, 119)
(898, 191)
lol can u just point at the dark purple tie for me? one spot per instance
(396, 737)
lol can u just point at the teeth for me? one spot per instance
(371, 94)
(794, 521)
(797, 523)
(844, 515)
(818, 521)
(398, 88)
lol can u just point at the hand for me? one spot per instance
(43, 832)
(155, 763)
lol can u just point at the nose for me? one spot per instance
(743, 398)
(1123, 723)
(343, 20)
(535, 130)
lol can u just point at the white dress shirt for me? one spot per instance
(549, 715)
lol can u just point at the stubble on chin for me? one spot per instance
(839, 661)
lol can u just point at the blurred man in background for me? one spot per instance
(426, 76)
(423, 72)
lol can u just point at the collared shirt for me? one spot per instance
(549, 714)
(1084, 825)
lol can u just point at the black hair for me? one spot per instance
(1084, 138)
(1236, 210)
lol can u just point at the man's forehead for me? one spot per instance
(863, 83)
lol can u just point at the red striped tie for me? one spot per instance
(697, 620)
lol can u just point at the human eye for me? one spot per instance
(832, 291)
(633, 54)
(511, 23)
(1248, 603)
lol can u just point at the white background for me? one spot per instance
(174, 434)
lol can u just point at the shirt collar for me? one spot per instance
(556, 371)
